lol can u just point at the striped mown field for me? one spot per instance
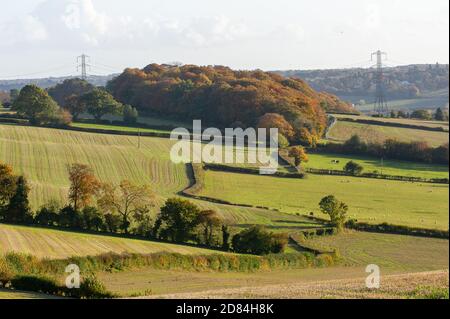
(49, 243)
(43, 155)
(342, 131)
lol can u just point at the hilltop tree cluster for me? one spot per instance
(222, 98)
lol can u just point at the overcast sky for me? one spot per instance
(43, 37)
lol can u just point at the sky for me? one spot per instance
(41, 38)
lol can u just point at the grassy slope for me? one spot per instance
(61, 244)
(370, 164)
(342, 131)
(43, 155)
(398, 252)
(118, 128)
(371, 200)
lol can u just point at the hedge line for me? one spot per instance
(247, 170)
(386, 228)
(378, 176)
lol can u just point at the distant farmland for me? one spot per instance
(370, 200)
(342, 131)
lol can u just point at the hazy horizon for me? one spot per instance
(43, 37)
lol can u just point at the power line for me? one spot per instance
(36, 73)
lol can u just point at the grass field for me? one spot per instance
(43, 155)
(49, 243)
(369, 200)
(404, 253)
(371, 164)
(432, 124)
(342, 131)
(120, 128)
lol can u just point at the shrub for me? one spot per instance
(36, 283)
(91, 288)
(353, 168)
(258, 241)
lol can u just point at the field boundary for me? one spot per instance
(318, 171)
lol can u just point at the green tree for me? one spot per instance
(336, 209)
(13, 95)
(70, 87)
(208, 221)
(99, 103)
(258, 241)
(177, 220)
(353, 168)
(440, 115)
(422, 115)
(75, 106)
(35, 104)
(225, 238)
(130, 114)
(18, 210)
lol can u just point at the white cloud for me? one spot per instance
(74, 23)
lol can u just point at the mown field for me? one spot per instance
(50, 243)
(372, 164)
(43, 155)
(110, 127)
(370, 200)
(416, 122)
(405, 253)
(342, 131)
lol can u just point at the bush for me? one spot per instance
(258, 241)
(36, 283)
(48, 215)
(353, 168)
(91, 288)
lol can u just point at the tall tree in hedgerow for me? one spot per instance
(336, 209)
(83, 185)
(177, 220)
(7, 184)
(18, 210)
